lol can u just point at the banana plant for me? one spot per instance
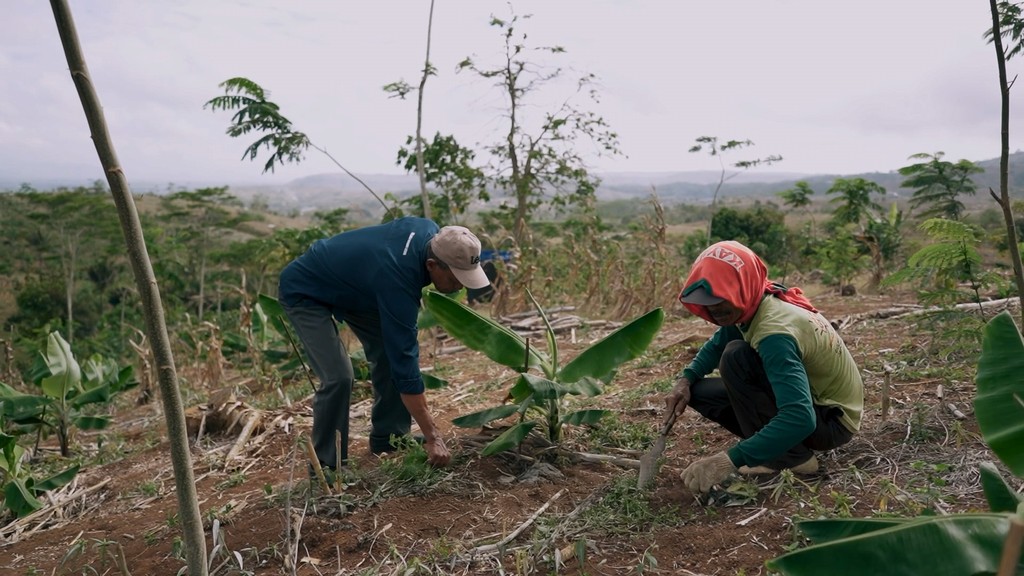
(538, 398)
(969, 543)
(68, 391)
(19, 490)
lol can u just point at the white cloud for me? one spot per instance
(832, 87)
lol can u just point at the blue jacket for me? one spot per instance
(378, 268)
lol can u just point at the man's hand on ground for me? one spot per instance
(437, 452)
(701, 475)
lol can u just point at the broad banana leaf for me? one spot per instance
(18, 497)
(539, 387)
(586, 386)
(260, 325)
(431, 382)
(952, 545)
(97, 395)
(274, 312)
(12, 453)
(425, 319)
(508, 439)
(1000, 496)
(481, 417)
(19, 407)
(549, 334)
(544, 389)
(484, 335)
(828, 529)
(5, 441)
(999, 402)
(56, 481)
(602, 358)
(96, 369)
(92, 422)
(65, 373)
(101, 391)
(591, 416)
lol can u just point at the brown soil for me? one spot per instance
(380, 525)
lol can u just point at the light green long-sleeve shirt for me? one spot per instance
(806, 363)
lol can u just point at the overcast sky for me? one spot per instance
(833, 87)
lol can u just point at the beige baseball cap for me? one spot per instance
(459, 249)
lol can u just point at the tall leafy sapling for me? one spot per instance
(401, 89)
(939, 184)
(716, 149)
(1007, 20)
(538, 160)
(256, 114)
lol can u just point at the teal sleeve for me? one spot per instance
(795, 419)
(710, 354)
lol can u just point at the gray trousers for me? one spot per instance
(743, 402)
(316, 327)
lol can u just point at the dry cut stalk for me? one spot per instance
(250, 424)
(1012, 548)
(606, 458)
(488, 548)
(317, 470)
(886, 384)
(955, 411)
(14, 528)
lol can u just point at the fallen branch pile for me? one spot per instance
(57, 512)
(907, 310)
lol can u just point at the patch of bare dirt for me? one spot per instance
(921, 455)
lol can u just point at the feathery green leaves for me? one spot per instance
(254, 113)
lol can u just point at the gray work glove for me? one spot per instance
(701, 475)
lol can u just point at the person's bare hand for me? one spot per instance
(677, 400)
(437, 452)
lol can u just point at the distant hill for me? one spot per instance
(326, 191)
(334, 190)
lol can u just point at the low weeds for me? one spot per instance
(407, 467)
(624, 509)
(641, 395)
(93, 556)
(617, 433)
(223, 560)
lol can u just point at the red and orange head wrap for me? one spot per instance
(731, 271)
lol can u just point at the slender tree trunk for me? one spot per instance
(1004, 157)
(518, 183)
(714, 201)
(149, 292)
(69, 251)
(202, 286)
(419, 119)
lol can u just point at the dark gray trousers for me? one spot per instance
(742, 401)
(316, 328)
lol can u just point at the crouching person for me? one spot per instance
(788, 385)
